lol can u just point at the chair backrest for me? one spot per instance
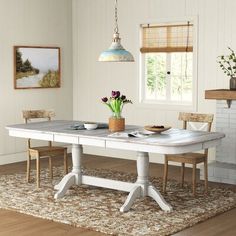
(189, 118)
(37, 114)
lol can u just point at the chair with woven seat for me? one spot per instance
(191, 158)
(42, 151)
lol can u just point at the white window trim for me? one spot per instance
(141, 85)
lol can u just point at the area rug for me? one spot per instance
(98, 209)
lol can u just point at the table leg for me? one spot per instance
(155, 194)
(143, 186)
(75, 176)
(135, 193)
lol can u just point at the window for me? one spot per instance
(167, 64)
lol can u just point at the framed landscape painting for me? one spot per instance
(36, 67)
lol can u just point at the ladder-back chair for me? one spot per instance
(42, 151)
(189, 121)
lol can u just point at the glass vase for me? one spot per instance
(116, 122)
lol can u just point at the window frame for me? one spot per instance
(169, 105)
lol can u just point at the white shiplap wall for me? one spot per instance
(32, 23)
(93, 28)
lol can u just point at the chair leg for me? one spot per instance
(206, 174)
(38, 169)
(28, 167)
(65, 162)
(165, 174)
(194, 179)
(182, 174)
(50, 167)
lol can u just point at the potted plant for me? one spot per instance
(228, 65)
(116, 103)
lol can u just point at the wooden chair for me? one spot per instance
(191, 158)
(42, 151)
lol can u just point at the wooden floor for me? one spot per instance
(16, 224)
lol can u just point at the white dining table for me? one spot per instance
(172, 141)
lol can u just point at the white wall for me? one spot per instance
(93, 27)
(33, 23)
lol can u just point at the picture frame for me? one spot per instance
(37, 67)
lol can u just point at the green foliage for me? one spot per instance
(50, 80)
(19, 61)
(36, 71)
(181, 74)
(180, 77)
(156, 76)
(24, 68)
(228, 63)
(27, 65)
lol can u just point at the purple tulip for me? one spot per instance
(105, 99)
(117, 94)
(123, 97)
(113, 94)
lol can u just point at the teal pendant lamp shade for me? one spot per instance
(116, 52)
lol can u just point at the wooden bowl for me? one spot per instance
(152, 128)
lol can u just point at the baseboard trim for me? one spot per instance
(13, 158)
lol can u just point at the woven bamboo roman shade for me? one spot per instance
(167, 38)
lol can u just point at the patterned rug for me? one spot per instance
(98, 209)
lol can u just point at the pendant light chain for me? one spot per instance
(116, 18)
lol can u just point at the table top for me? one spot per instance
(168, 142)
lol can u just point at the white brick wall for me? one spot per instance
(226, 123)
(224, 168)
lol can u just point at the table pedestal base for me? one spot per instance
(141, 188)
(137, 192)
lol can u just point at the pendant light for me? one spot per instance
(116, 52)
